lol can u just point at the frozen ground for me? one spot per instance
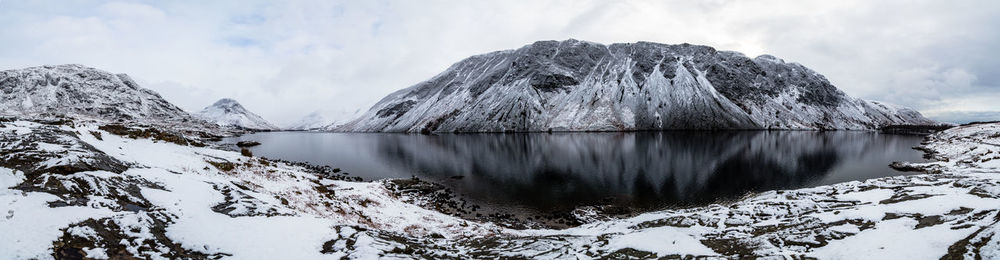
(77, 190)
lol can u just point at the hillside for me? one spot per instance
(581, 86)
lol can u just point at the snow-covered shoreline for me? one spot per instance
(74, 189)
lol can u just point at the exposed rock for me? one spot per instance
(247, 143)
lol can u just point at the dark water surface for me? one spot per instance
(541, 171)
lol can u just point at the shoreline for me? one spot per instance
(81, 188)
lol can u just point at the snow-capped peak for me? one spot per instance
(228, 112)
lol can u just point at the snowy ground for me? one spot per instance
(75, 190)
(172, 197)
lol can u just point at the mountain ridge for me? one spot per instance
(77, 91)
(324, 120)
(574, 85)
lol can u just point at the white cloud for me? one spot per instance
(925, 86)
(285, 60)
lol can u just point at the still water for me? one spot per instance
(542, 171)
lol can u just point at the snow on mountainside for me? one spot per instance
(581, 86)
(312, 121)
(325, 120)
(81, 92)
(228, 112)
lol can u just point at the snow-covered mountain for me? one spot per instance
(228, 112)
(312, 121)
(581, 86)
(317, 120)
(82, 92)
(325, 120)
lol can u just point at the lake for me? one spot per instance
(558, 171)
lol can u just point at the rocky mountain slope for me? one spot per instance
(581, 86)
(76, 91)
(228, 112)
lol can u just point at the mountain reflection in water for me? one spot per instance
(542, 171)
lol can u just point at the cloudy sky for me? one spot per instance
(287, 59)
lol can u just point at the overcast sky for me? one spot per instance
(286, 59)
